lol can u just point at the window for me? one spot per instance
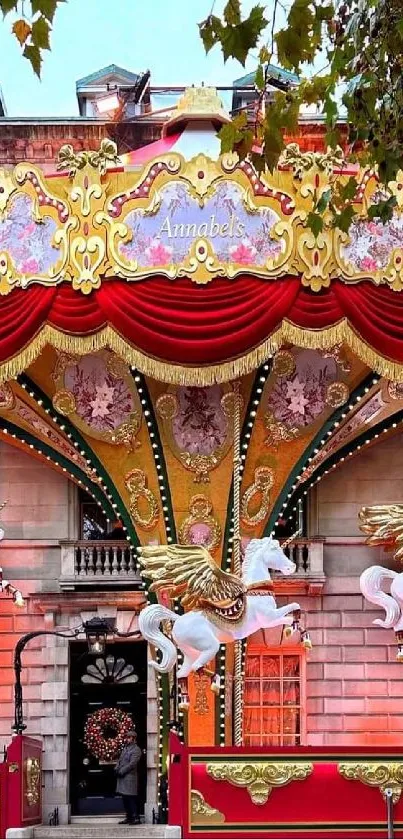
(93, 522)
(273, 697)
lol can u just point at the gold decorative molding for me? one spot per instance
(337, 394)
(202, 683)
(259, 778)
(382, 775)
(200, 510)
(261, 486)
(198, 218)
(302, 162)
(33, 780)
(201, 813)
(136, 484)
(7, 397)
(73, 161)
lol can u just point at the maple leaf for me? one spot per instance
(383, 209)
(33, 54)
(232, 12)
(40, 33)
(211, 31)
(259, 78)
(343, 219)
(21, 30)
(7, 6)
(315, 223)
(323, 201)
(47, 8)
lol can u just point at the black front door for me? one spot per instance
(117, 680)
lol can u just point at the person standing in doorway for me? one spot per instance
(127, 778)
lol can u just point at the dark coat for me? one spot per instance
(126, 770)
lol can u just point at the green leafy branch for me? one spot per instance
(33, 27)
(362, 41)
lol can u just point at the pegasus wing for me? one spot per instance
(384, 525)
(189, 572)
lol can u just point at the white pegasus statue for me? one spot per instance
(384, 525)
(222, 607)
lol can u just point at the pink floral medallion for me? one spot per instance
(297, 401)
(198, 425)
(98, 393)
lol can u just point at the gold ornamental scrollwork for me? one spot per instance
(337, 394)
(73, 161)
(200, 510)
(64, 402)
(278, 431)
(201, 813)
(283, 363)
(32, 780)
(7, 397)
(259, 778)
(262, 484)
(136, 484)
(202, 683)
(382, 775)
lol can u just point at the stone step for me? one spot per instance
(106, 830)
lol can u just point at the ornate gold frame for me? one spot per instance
(90, 213)
(382, 775)
(259, 778)
(200, 511)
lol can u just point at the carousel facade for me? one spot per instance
(201, 476)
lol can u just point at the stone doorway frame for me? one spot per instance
(55, 705)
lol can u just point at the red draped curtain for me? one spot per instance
(272, 698)
(165, 328)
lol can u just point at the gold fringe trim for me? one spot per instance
(202, 376)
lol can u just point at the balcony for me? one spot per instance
(107, 564)
(309, 577)
(90, 563)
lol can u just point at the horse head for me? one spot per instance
(266, 553)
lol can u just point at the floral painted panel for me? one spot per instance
(28, 243)
(237, 236)
(372, 243)
(297, 400)
(41, 427)
(200, 425)
(102, 400)
(365, 415)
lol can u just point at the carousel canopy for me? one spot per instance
(191, 265)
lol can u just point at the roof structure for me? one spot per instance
(101, 76)
(272, 70)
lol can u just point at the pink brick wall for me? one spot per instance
(354, 685)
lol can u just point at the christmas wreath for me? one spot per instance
(106, 732)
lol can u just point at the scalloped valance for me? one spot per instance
(184, 334)
(194, 271)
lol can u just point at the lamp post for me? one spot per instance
(96, 632)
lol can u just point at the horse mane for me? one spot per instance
(250, 551)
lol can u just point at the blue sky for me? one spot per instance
(161, 35)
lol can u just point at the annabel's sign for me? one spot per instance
(199, 219)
